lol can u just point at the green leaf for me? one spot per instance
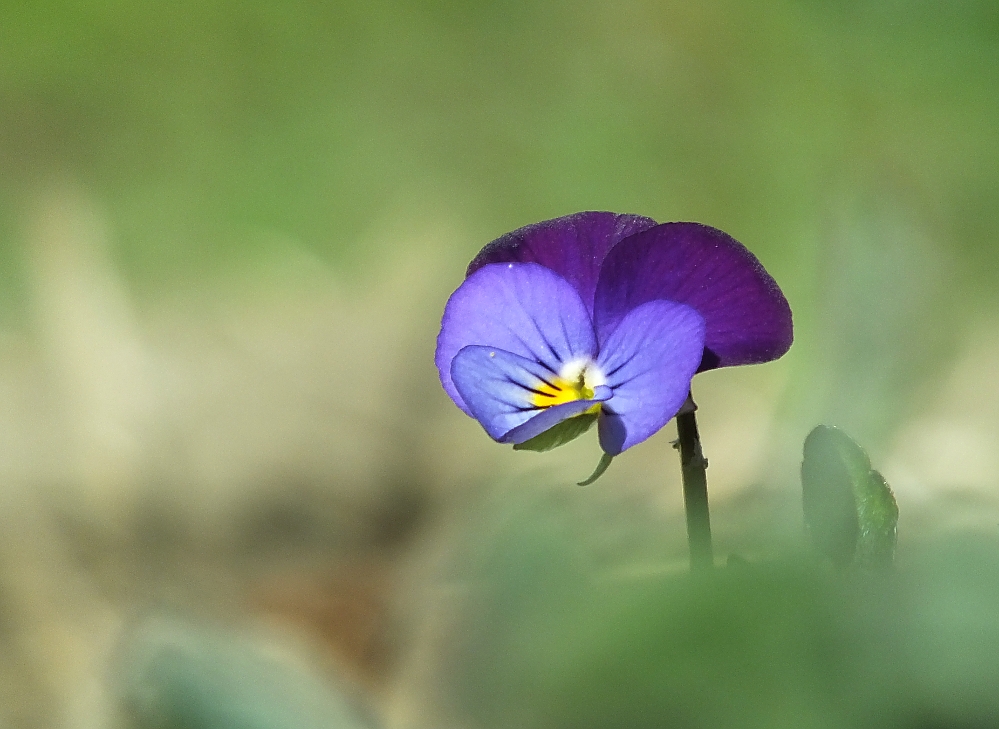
(182, 676)
(602, 465)
(878, 515)
(849, 509)
(558, 435)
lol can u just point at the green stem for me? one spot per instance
(693, 466)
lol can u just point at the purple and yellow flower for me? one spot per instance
(605, 317)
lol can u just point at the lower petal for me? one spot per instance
(501, 389)
(648, 362)
(550, 417)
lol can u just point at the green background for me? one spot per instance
(256, 156)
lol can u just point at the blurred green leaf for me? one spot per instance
(849, 508)
(878, 514)
(549, 635)
(181, 676)
(564, 432)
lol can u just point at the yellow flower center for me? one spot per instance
(558, 391)
(575, 382)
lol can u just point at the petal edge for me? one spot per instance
(574, 246)
(747, 318)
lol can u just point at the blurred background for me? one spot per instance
(232, 491)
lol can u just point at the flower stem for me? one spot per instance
(693, 466)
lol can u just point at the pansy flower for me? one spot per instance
(602, 317)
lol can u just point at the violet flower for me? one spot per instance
(606, 317)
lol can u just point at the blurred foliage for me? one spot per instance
(179, 676)
(849, 509)
(202, 122)
(550, 642)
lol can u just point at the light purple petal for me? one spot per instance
(501, 388)
(523, 308)
(747, 318)
(550, 417)
(573, 246)
(648, 361)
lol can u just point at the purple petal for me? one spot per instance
(550, 417)
(747, 318)
(573, 246)
(648, 361)
(522, 308)
(501, 389)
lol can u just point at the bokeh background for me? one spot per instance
(232, 492)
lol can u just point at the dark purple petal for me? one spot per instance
(648, 361)
(501, 389)
(573, 246)
(522, 308)
(747, 318)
